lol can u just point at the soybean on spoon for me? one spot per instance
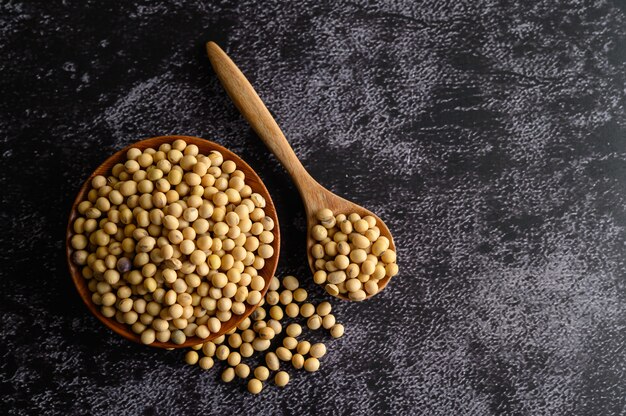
(314, 196)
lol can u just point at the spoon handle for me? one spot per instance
(254, 111)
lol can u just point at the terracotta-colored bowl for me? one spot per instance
(205, 147)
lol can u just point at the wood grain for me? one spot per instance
(314, 196)
(205, 146)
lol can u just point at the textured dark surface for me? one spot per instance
(490, 136)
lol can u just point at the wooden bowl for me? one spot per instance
(205, 147)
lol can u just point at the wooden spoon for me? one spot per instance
(205, 148)
(314, 196)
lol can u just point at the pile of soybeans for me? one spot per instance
(171, 242)
(282, 346)
(351, 257)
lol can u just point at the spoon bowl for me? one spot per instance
(314, 196)
(205, 147)
(317, 198)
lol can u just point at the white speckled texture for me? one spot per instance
(490, 136)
